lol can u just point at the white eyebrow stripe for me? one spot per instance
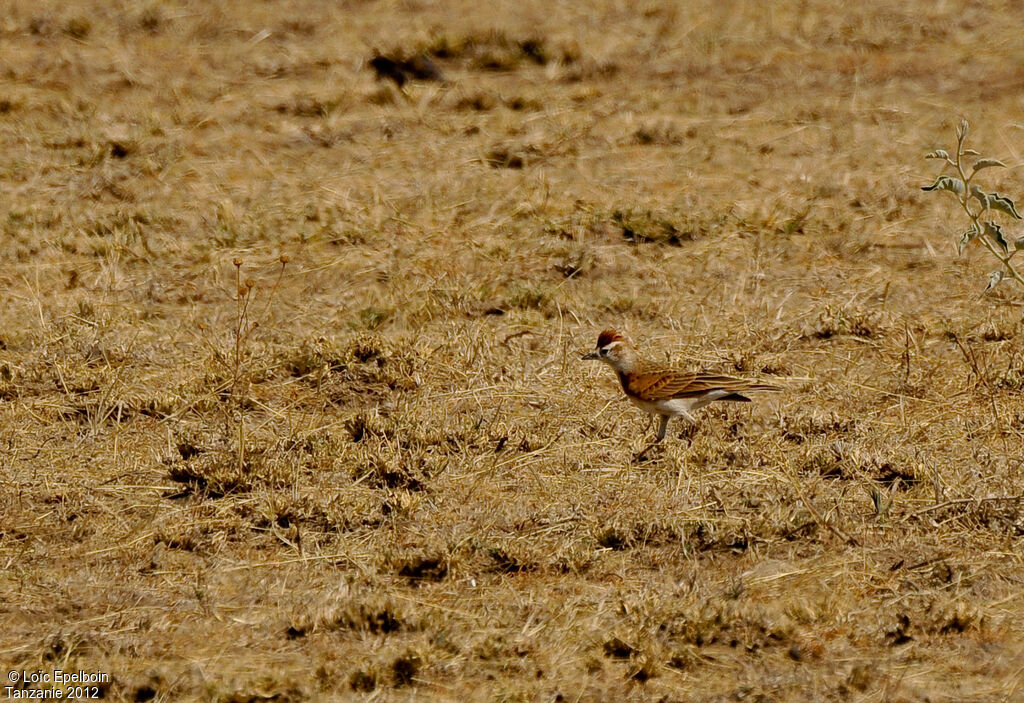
(616, 343)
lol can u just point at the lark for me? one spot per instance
(664, 391)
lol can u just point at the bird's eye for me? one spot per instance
(604, 351)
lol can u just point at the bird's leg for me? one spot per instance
(693, 426)
(661, 435)
(661, 428)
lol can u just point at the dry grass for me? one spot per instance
(437, 501)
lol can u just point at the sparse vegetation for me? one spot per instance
(401, 485)
(979, 206)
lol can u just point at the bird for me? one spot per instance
(664, 391)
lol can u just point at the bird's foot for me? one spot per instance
(642, 456)
(688, 431)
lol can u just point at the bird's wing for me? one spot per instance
(657, 385)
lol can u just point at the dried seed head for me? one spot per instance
(284, 259)
(242, 291)
(237, 262)
(249, 283)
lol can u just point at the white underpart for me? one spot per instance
(680, 407)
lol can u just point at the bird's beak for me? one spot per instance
(590, 355)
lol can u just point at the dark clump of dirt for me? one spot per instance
(401, 70)
(424, 568)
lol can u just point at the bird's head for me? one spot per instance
(613, 349)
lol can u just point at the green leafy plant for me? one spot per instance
(980, 207)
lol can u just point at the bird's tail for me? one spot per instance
(737, 397)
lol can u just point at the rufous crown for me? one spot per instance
(607, 337)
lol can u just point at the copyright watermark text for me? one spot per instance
(24, 684)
